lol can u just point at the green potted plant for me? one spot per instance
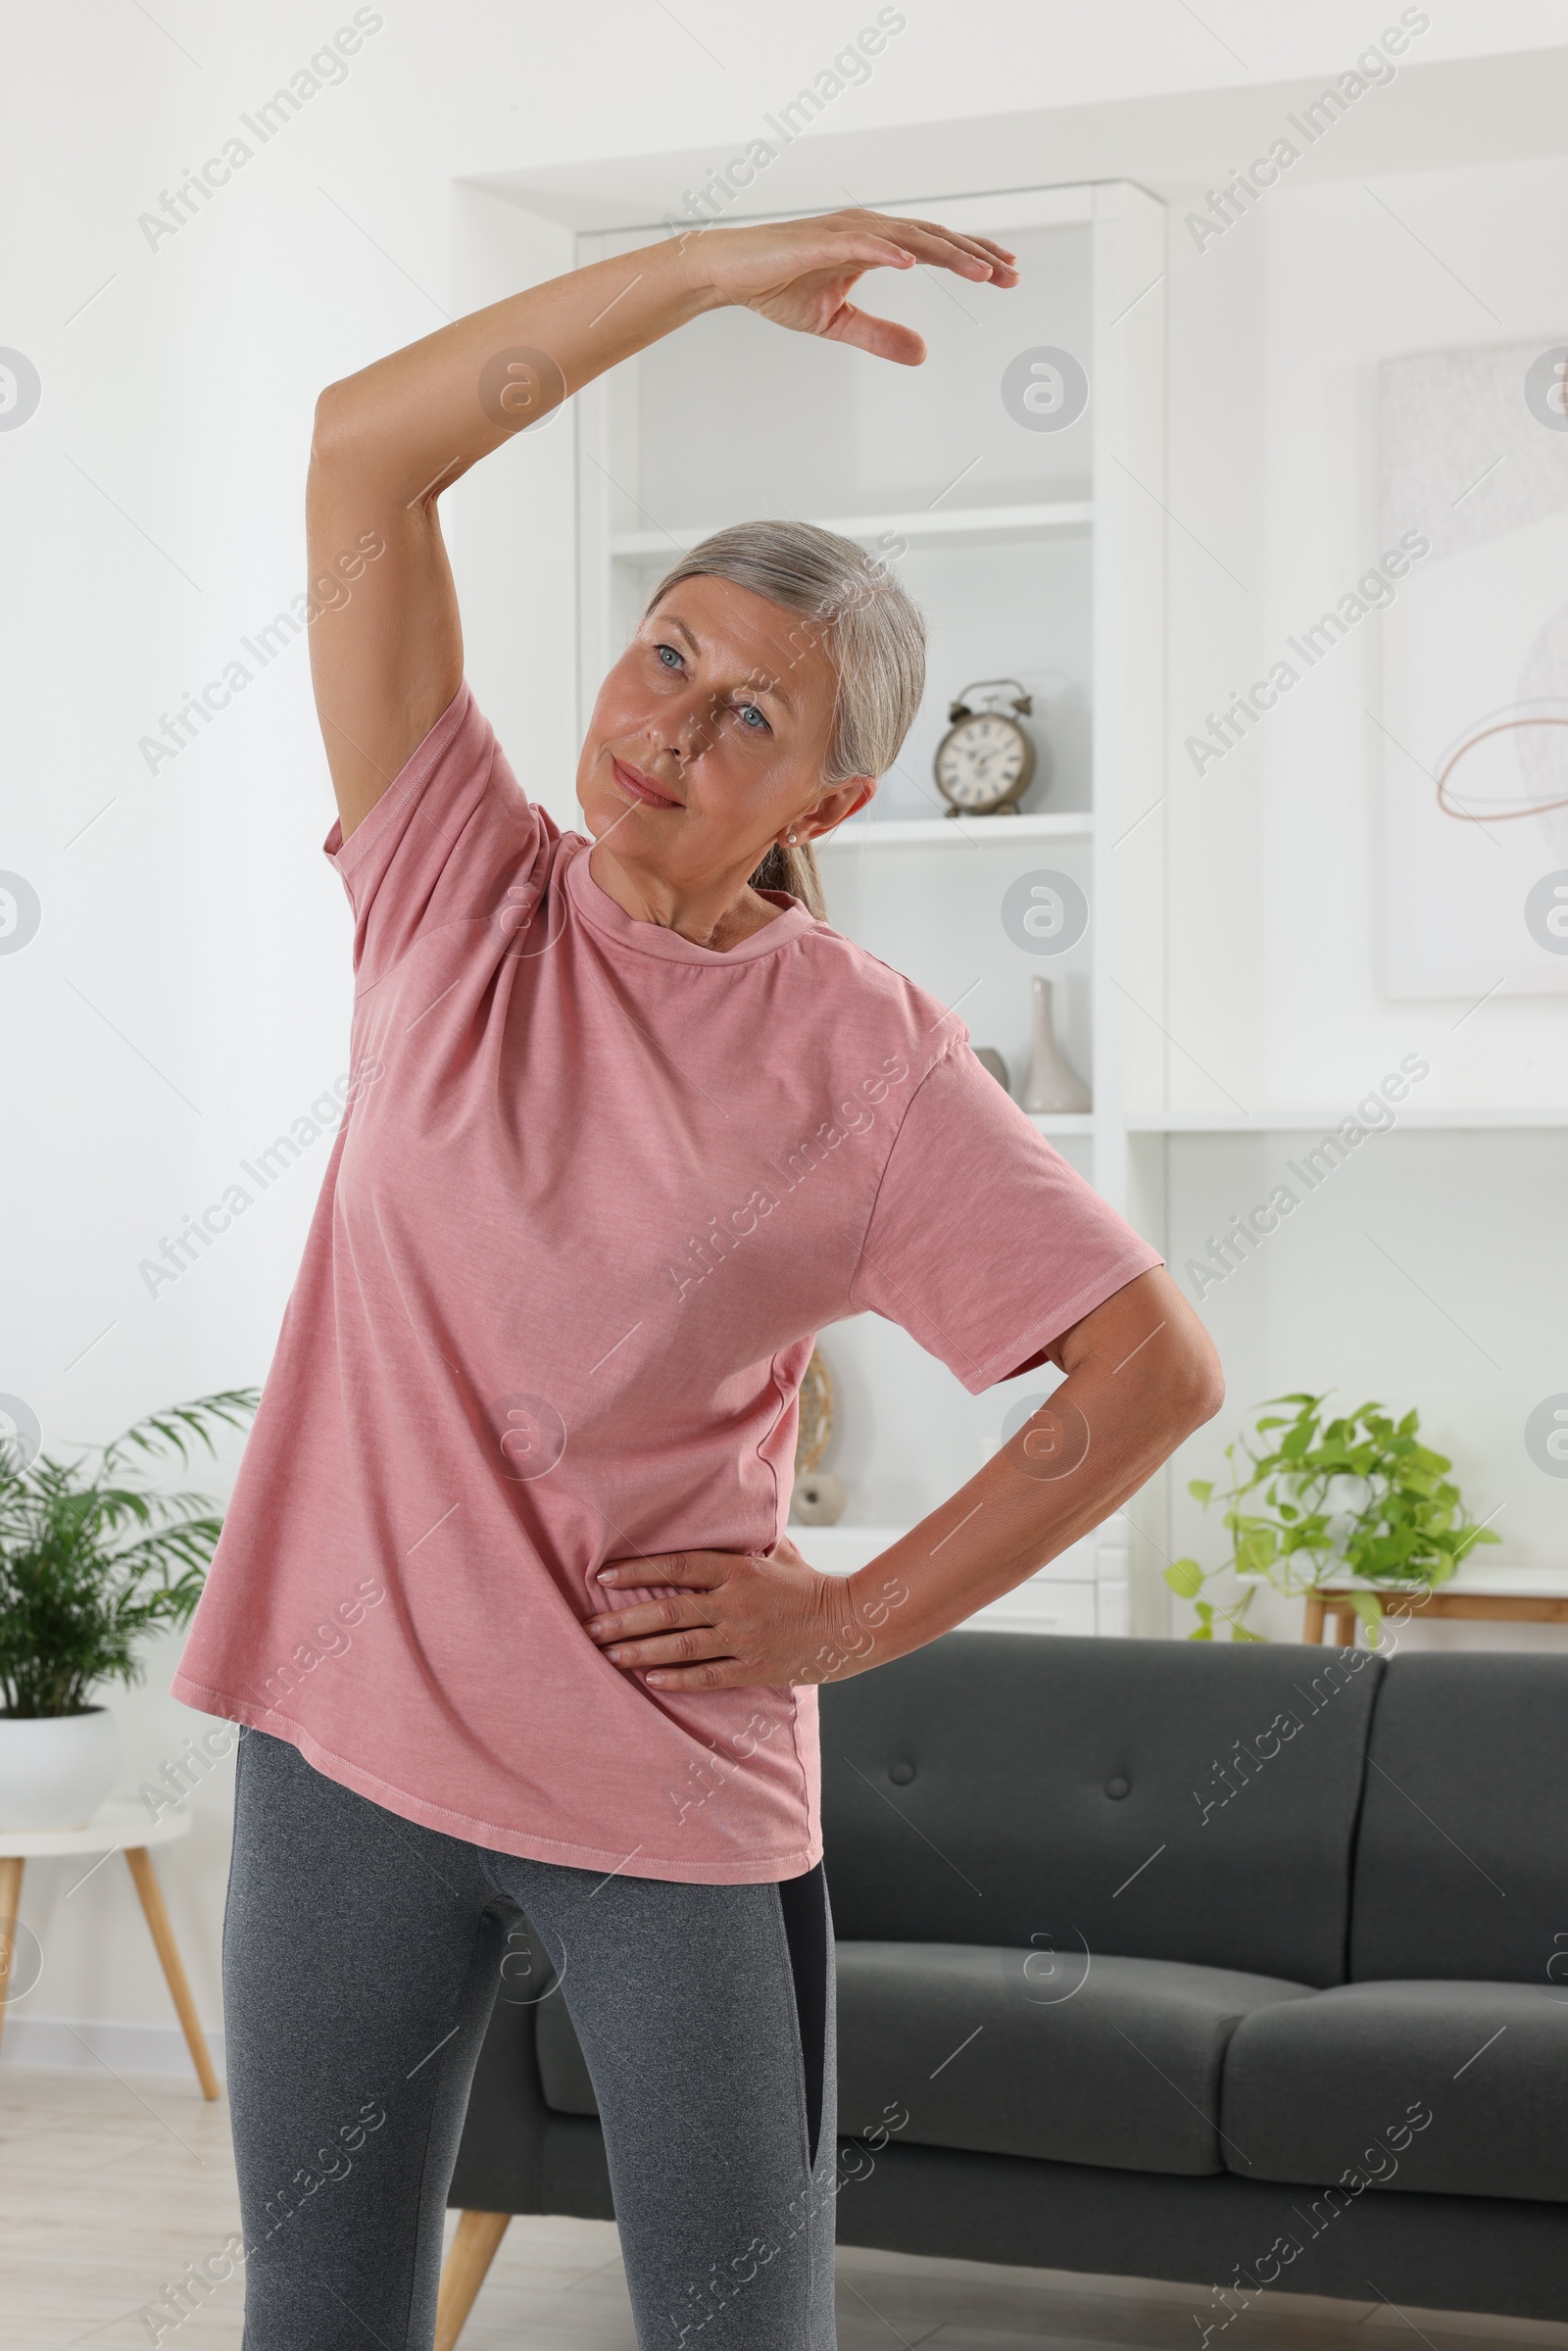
(1355, 1499)
(88, 1563)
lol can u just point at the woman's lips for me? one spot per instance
(640, 788)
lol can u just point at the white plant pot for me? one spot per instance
(56, 1769)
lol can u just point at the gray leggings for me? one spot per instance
(361, 1957)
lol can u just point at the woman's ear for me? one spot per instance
(837, 803)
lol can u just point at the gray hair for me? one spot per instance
(872, 629)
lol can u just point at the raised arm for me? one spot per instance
(386, 644)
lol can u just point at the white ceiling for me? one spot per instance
(1440, 114)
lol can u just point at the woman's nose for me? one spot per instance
(688, 732)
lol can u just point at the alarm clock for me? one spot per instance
(985, 762)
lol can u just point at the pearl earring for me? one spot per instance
(793, 836)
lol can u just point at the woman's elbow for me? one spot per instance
(1201, 1387)
(332, 428)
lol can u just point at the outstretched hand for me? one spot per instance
(736, 1618)
(799, 272)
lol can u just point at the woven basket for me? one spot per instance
(816, 1415)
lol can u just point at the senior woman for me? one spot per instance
(504, 1598)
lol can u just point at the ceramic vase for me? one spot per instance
(1051, 1085)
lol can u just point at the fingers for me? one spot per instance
(700, 1570)
(917, 244)
(690, 1656)
(728, 1674)
(979, 249)
(898, 244)
(986, 246)
(928, 240)
(865, 252)
(659, 1634)
(698, 1644)
(884, 338)
(650, 1616)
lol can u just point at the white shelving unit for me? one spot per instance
(1082, 1591)
(973, 526)
(938, 832)
(1037, 554)
(1271, 1119)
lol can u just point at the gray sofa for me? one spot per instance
(1244, 1966)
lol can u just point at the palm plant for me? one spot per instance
(88, 1563)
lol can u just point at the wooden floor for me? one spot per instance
(110, 2184)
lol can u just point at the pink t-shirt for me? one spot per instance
(595, 1191)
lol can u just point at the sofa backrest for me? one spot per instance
(1462, 1861)
(1153, 1798)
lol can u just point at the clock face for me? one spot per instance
(981, 760)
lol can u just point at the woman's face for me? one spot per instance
(709, 735)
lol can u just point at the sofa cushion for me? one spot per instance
(1339, 2083)
(1155, 1797)
(1040, 2052)
(1465, 1821)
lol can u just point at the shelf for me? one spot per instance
(1268, 1120)
(1486, 1576)
(944, 832)
(972, 526)
(843, 1550)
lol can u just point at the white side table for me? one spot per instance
(119, 1825)
(1481, 1588)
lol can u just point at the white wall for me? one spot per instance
(1274, 465)
(187, 994)
(1431, 1272)
(1424, 1271)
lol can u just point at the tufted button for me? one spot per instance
(1118, 1787)
(901, 1774)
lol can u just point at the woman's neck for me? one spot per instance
(716, 915)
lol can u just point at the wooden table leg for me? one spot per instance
(152, 1902)
(473, 2248)
(10, 1905)
(1312, 1630)
(1346, 1620)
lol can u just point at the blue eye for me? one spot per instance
(743, 707)
(661, 650)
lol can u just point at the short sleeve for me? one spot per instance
(441, 842)
(983, 1243)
